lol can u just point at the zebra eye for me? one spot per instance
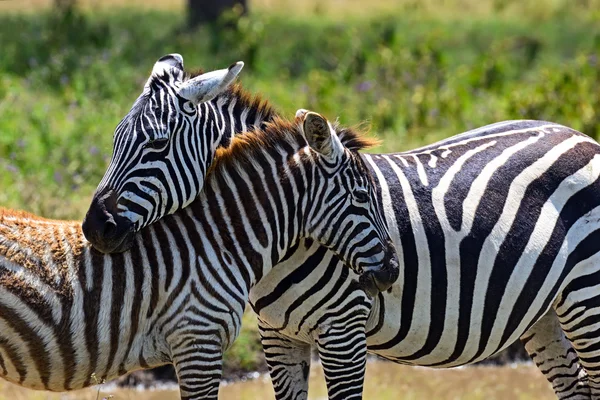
(157, 143)
(361, 195)
(188, 107)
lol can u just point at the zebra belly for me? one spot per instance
(425, 344)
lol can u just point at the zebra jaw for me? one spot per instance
(379, 280)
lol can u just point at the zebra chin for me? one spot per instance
(114, 246)
(107, 231)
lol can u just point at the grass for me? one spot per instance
(417, 71)
(384, 381)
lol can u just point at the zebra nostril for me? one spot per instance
(110, 227)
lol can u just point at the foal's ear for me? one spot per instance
(207, 86)
(319, 134)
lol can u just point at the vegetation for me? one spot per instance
(418, 71)
(384, 381)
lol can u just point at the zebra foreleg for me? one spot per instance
(288, 362)
(343, 352)
(547, 345)
(199, 367)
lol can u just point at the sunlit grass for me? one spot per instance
(455, 9)
(384, 381)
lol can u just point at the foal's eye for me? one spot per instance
(361, 195)
(157, 144)
(188, 107)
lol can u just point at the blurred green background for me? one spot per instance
(417, 71)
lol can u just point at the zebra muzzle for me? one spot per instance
(103, 228)
(379, 280)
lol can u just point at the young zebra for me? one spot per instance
(498, 235)
(178, 294)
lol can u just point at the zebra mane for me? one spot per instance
(355, 138)
(254, 102)
(280, 133)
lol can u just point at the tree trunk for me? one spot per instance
(65, 5)
(208, 11)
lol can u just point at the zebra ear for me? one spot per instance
(320, 134)
(169, 64)
(165, 63)
(206, 86)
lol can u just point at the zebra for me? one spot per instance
(498, 235)
(71, 315)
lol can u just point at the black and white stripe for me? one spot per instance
(166, 144)
(498, 235)
(69, 312)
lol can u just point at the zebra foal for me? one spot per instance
(497, 231)
(178, 293)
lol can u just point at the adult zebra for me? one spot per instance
(177, 295)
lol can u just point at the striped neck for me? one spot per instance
(238, 111)
(247, 215)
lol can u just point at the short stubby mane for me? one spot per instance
(247, 145)
(355, 138)
(280, 132)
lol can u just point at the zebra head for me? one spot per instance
(344, 213)
(164, 145)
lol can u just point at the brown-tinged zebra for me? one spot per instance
(178, 293)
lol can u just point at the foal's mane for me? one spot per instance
(281, 133)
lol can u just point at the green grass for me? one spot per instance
(417, 72)
(66, 81)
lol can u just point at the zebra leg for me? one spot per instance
(199, 367)
(343, 352)
(288, 361)
(547, 345)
